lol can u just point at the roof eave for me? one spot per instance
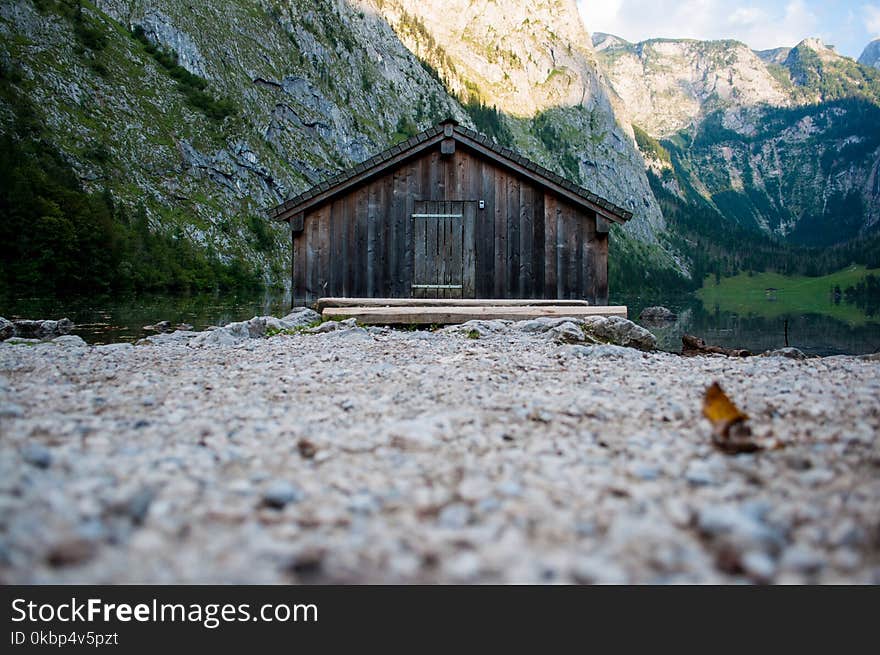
(404, 151)
(545, 177)
(320, 193)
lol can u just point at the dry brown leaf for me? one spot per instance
(718, 408)
(730, 429)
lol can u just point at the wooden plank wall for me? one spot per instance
(526, 242)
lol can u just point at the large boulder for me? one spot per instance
(787, 352)
(568, 332)
(255, 328)
(301, 317)
(619, 331)
(232, 333)
(164, 338)
(7, 329)
(477, 329)
(42, 329)
(543, 324)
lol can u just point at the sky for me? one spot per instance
(848, 25)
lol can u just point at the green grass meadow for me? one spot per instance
(747, 294)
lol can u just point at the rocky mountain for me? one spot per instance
(200, 115)
(871, 54)
(668, 85)
(188, 119)
(205, 114)
(784, 140)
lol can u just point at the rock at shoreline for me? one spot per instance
(38, 329)
(232, 333)
(478, 329)
(658, 314)
(7, 329)
(691, 345)
(300, 317)
(178, 336)
(567, 332)
(619, 331)
(161, 326)
(614, 330)
(542, 324)
(790, 353)
(255, 328)
(333, 326)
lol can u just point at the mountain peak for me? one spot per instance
(817, 45)
(603, 41)
(871, 54)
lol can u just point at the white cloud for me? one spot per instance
(761, 26)
(872, 19)
(747, 16)
(600, 13)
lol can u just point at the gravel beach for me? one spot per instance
(490, 453)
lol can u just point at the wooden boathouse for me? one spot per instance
(449, 214)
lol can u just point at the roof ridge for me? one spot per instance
(503, 152)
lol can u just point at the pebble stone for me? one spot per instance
(489, 453)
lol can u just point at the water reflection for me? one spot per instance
(109, 320)
(813, 333)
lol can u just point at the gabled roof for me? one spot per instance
(505, 157)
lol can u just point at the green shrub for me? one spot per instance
(651, 146)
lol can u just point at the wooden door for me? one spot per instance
(443, 249)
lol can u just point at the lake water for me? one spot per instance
(815, 334)
(108, 320)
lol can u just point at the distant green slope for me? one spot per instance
(773, 295)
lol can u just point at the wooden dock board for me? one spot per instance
(324, 303)
(446, 314)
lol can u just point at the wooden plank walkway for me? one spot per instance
(324, 303)
(446, 314)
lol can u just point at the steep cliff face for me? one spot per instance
(533, 61)
(782, 140)
(871, 54)
(808, 175)
(281, 94)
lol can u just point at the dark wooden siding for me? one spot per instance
(525, 243)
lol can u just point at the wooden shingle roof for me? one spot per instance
(505, 157)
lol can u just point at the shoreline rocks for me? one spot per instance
(7, 329)
(34, 329)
